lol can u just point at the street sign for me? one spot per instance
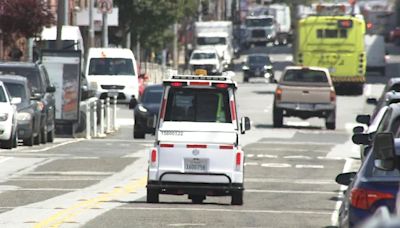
(104, 6)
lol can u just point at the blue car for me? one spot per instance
(375, 184)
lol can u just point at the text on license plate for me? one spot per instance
(196, 164)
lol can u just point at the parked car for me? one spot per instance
(305, 92)
(386, 99)
(258, 65)
(29, 110)
(375, 184)
(8, 119)
(146, 111)
(41, 89)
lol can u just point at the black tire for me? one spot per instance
(237, 198)
(197, 199)
(330, 125)
(152, 196)
(138, 133)
(43, 136)
(245, 79)
(277, 117)
(28, 141)
(15, 141)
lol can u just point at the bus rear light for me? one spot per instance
(226, 147)
(166, 145)
(203, 146)
(199, 83)
(153, 156)
(278, 94)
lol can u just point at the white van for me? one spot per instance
(197, 150)
(112, 72)
(376, 53)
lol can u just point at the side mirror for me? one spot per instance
(245, 124)
(345, 178)
(372, 101)
(16, 100)
(50, 89)
(358, 129)
(364, 119)
(36, 97)
(384, 151)
(133, 102)
(361, 139)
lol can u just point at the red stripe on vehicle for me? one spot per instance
(233, 110)
(226, 147)
(166, 145)
(196, 146)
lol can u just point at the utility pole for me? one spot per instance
(66, 12)
(91, 23)
(105, 30)
(175, 46)
(60, 22)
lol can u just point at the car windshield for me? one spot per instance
(259, 59)
(152, 96)
(16, 90)
(2, 95)
(305, 75)
(204, 55)
(211, 40)
(259, 22)
(111, 66)
(200, 105)
(30, 73)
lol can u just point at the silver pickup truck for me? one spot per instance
(305, 92)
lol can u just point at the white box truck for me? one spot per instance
(281, 13)
(218, 35)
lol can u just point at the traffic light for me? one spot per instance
(204, 7)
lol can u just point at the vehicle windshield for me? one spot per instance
(211, 40)
(152, 96)
(259, 22)
(199, 105)
(30, 73)
(52, 44)
(16, 90)
(204, 55)
(111, 66)
(258, 59)
(2, 95)
(312, 76)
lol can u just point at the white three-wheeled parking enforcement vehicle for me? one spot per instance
(197, 151)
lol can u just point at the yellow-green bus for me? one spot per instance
(334, 42)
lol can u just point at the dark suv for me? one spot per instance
(39, 83)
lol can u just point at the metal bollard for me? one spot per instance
(101, 133)
(94, 118)
(88, 127)
(114, 119)
(108, 120)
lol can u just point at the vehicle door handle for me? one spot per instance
(306, 91)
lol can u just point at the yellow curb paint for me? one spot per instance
(67, 215)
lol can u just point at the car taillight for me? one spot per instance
(238, 160)
(176, 84)
(364, 198)
(333, 96)
(199, 83)
(221, 85)
(153, 156)
(278, 93)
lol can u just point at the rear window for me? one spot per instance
(152, 96)
(198, 105)
(16, 90)
(309, 76)
(259, 59)
(31, 74)
(111, 66)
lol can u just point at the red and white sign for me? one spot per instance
(104, 6)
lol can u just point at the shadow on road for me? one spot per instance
(266, 126)
(166, 203)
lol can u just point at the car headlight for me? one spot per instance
(245, 68)
(266, 67)
(3, 116)
(141, 108)
(24, 116)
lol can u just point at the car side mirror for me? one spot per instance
(16, 100)
(361, 139)
(345, 178)
(384, 151)
(133, 102)
(372, 101)
(358, 129)
(245, 124)
(36, 97)
(50, 89)
(364, 119)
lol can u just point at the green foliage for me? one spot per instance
(151, 19)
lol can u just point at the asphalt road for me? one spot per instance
(289, 172)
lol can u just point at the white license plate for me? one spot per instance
(196, 165)
(304, 107)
